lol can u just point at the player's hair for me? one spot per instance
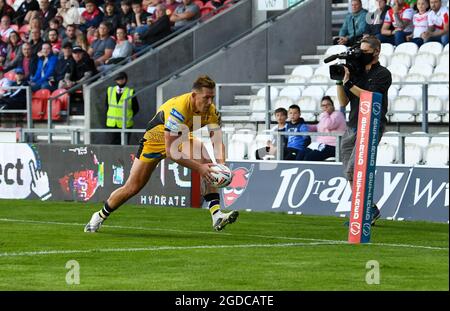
(281, 110)
(294, 107)
(373, 42)
(203, 82)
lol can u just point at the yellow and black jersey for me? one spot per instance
(175, 115)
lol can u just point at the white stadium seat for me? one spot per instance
(313, 91)
(292, 92)
(415, 77)
(423, 69)
(436, 154)
(398, 71)
(259, 142)
(403, 109)
(438, 90)
(335, 49)
(413, 154)
(304, 71)
(392, 93)
(391, 140)
(258, 109)
(324, 80)
(434, 48)
(323, 70)
(439, 77)
(446, 48)
(441, 69)
(387, 154)
(282, 102)
(428, 59)
(414, 91)
(297, 79)
(443, 60)
(402, 58)
(408, 48)
(387, 49)
(446, 112)
(384, 60)
(419, 140)
(273, 92)
(309, 108)
(440, 140)
(236, 150)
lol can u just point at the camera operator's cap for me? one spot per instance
(121, 75)
(19, 71)
(77, 49)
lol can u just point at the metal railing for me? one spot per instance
(27, 110)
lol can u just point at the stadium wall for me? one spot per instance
(91, 173)
(162, 62)
(261, 53)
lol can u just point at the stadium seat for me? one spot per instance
(273, 92)
(313, 91)
(440, 140)
(398, 72)
(39, 104)
(445, 48)
(443, 59)
(414, 91)
(384, 60)
(441, 69)
(323, 70)
(436, 155)
(258, 108)
(392, 93)
(387, 154)
(296, 79)
(413, 154)
(402, 58)
(283, 102)
(335, 49)
(438, 90)
(309, 108)
(434, 48)
(428, 59)
(408, 48)
(324, 80)
(60, 105)
(293, 92)
(259, 142)
(403, 109)
(439, 77)
(422, 69)
(446, 112)
(304, 71)
(415, 77)
(387, 49)
(236, 150)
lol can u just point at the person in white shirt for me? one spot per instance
(420, 22)
(437, 23)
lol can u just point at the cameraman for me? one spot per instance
(373, 78)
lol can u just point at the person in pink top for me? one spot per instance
(331, 121)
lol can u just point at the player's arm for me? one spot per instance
(216, 136)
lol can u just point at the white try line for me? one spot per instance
(160, 248)
(217, 234)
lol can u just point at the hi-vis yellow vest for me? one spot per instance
(114, 116)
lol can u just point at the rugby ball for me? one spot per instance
(222, 176)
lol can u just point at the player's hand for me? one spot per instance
(205, 172)
(39, 182)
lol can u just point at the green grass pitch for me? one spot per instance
(176, 249)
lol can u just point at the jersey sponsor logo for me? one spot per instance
(173, 125)
(177, 114)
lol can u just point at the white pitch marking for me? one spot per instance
(224, 233)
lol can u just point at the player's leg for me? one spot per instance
(210, 194)
(139, 175)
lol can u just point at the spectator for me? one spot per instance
(3, 52)
(139, 15)
(271, 147)
(111, 17)
(397, 24)
(354, 25)
(25, 8)
(15, 98)
(185, 13)
(296, 144)
(82, 41)
(36, 41)
(55, 23)
(65, 66)
(420, 22)
(6, 9)
(102, 48)
(13, 48)
(44, 76)
(171, 6)
(126, 15)
(377, 18)
(437, 23)
(54, 41)
(115, 100)
(5, 27)
(122, 50)
(4, 82)
(159, 29)
(149, 6)
(35, 22)
(91, 17)
(69, 12)
(25, 60)
(331, 121)
(83, 69)
(71, 35)
(47, 12)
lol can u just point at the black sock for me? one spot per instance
(213, 200)
(105, 211)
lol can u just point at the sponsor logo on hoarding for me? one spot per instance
(241, 178)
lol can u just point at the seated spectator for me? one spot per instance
(111, 17)
(122, 50)
(15, 99)
(271, 147)
(36, 41)
(44, 76)
(330, 121)
(82, 41)
(437, 23)
(139, 18)
(25, 60)
(184, 14)
(159, 29)
(376, 19)
(25, 8)
(4, 82)
(126, 15)
(84, 69)
(6, 9)
(296, 144)
(397, 24)
(54, 41)
(420, 22)
(171, 6)
(65, 65)
(102, 48)
(47, 12)
(35, 22)
(3, 52)
(71, 35)
(5, 28)
(91, 17)
(354, 25)
(13, 48)
(56, 24)
(69, 12)
(149, 6)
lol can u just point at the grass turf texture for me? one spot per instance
(154, 249)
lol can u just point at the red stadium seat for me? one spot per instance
(59, 105)
(39, 104)
(10, 75)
